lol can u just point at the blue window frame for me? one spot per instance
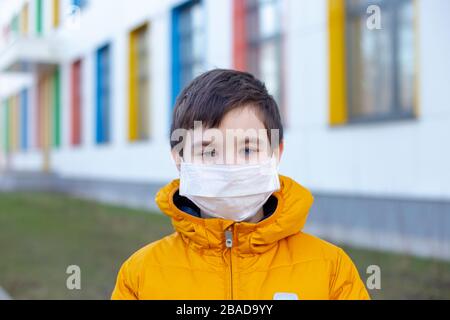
(79, 3)
(187, 44)
(103, 95)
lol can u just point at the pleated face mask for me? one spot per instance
(232, 192)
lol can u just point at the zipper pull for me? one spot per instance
(228, 238)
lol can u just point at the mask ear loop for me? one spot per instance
(277, 163)
(276, 159)
(180, 162)
(180, 158)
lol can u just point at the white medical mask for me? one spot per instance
(232, 192)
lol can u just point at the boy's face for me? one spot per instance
(241, 138)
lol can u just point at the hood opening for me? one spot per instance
(186, 205)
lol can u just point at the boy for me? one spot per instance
(238, 222)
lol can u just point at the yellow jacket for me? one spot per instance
(262, 261)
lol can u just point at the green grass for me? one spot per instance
(403, 276)
(41, 234)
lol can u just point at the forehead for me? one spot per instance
(238, 124)
(242, 118)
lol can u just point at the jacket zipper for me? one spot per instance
(229, 245)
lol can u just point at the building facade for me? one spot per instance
(87, 90)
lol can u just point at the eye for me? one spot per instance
(247, 151)
(209, 154)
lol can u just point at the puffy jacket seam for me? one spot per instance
(290, 265)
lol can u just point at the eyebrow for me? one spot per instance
(201, 144)
(207, 143)
(249, 140)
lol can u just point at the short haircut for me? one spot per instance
(214, 93)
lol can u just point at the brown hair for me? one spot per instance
(212, 94)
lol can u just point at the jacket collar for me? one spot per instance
(208, 235)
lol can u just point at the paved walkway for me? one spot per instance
(4, 295)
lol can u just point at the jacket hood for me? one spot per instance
(208, 235)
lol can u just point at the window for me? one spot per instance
(24, 19)
(55, 82)
(24, 119)
(76, 103)
(258, 42)
(187, 44)
(38, 19)
(380, 62)
(103, 92)
(375, 80)
(48, 109)
(15, 27)
(79, 3)
(40, 103)
(15, 125)
(139, 83)
(55, 13)
(6, 126)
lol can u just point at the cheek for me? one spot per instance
(252, 158)
(259, 157)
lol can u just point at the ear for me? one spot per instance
(176, 158)
(278, 152)
(281, 150)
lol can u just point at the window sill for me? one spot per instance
(377, 120)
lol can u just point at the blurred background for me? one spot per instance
(87, 89)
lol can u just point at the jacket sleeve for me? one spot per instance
(346, 283)
(124, 289)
